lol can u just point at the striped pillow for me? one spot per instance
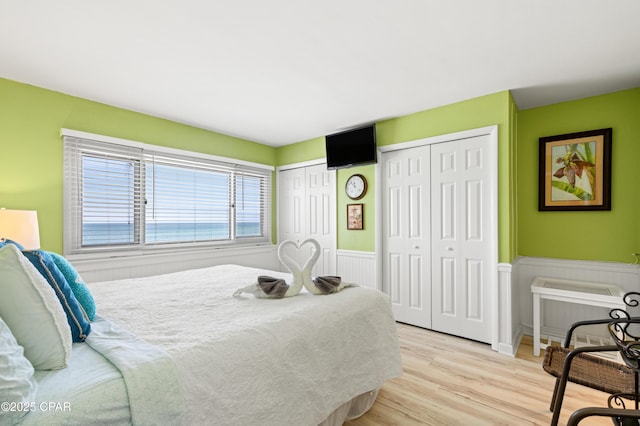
(76, 317)
(32, 311)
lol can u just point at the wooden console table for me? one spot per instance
(579, 292)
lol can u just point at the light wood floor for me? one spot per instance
(453, 381)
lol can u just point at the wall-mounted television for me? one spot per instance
(350, 148)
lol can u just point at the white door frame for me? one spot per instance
(492, 132)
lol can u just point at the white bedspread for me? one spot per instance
(112, 378)
(248, 361)
(147, 370)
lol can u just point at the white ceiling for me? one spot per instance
(284, 71)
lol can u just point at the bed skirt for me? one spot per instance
(351, 409)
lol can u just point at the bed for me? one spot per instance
(180, 348)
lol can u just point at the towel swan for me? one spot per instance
(302, 274)
(317, 285)
(275, 288)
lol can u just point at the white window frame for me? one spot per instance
(72, 235)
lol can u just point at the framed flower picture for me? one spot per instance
(355, 218)
(575, 171)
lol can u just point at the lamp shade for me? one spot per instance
(20, 226)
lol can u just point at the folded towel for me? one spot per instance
(273, 287)
(330, 284)
(269, 288)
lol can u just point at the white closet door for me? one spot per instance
(292, 208)
(306, 209)
(320, 216)
(461, 238)
(406, 234)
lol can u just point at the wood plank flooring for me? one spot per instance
(452, 381)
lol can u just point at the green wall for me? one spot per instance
(313, 149)
(361, 240)
(588, 235)
(474, 113)
(31, 147)
(31, 173)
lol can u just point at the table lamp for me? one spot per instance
(20, 226)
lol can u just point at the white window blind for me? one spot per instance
(102, 197)
(186, 201)
(250, 194)
(118, 197)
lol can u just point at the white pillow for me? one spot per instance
(32, 311)
(17, 385)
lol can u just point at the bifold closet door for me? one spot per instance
(406, 234)
(436, 236)
(292, 208)
(306, 209)
(461, 242)
(321, 215)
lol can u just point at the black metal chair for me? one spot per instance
(619, 416)
(581, 366)
(625, 333)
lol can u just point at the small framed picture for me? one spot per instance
(575, 171)
(355, 218)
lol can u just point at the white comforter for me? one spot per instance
(113, 378)
(248, 361)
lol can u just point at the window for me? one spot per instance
(121, 195)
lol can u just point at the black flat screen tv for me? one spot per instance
(350, 148)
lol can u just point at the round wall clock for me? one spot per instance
(356, 187)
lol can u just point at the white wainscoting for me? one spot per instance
(115, 268)
(515, 310)
(514, 281)
(357, 267)
(360, 267)
(558, 316)
(508, 328)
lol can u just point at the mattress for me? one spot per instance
(249, 361)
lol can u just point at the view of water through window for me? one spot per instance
(124, 233)
(183, 204)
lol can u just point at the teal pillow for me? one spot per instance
(80, 326)
(79, 288)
